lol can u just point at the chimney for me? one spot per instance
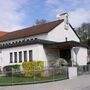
(65, 17)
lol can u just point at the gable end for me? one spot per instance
(74, 32)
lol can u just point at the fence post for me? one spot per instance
(34, 75)
(72, 71)
(66, 72)
(12, 75)
(53, 73)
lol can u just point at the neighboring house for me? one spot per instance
(45, 42)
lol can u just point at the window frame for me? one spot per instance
(11, 57)
(30, 55)
(20, 57)
(25, 56)
(15, 57)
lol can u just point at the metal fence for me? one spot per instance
(46, 75)
(83, 69)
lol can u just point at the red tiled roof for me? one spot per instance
(2, 33)
(34, 30)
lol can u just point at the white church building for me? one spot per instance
(44, 42)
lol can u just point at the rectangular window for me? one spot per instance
(15, 57)
(30, 55)
(11, 58)
(25, 55)
(20, 57)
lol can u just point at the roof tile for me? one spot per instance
(2, 33)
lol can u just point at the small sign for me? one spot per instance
(76, 49)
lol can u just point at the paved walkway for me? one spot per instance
(79, 83)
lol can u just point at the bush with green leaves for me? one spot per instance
(11, 69)
(33, 68)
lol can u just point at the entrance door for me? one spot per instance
(66, 54)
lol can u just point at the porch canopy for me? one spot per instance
(64, 50)
(64, 45)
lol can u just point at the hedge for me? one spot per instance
(33, 68)
(11, 68)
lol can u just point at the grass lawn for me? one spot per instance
(24, 80)
(15, 80)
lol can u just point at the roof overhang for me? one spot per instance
(46, 43)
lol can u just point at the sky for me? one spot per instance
(18, 14)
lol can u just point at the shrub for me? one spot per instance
(11, 69)
(33, 68)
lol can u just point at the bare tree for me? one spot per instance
(84, 33)
(42, 21)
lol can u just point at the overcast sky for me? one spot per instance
(16, 14)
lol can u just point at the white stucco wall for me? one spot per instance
(71, 35)
(37, 52)
(59, 34)
(81, 56)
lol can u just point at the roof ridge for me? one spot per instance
(37, 25)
